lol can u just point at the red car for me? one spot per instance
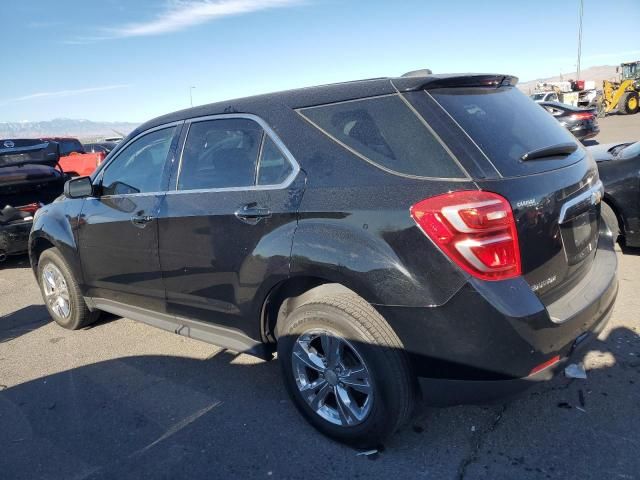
(74, 160)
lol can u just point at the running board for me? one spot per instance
(206, 332)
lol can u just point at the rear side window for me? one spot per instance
(384, 131)
(506, 124)
(274, 167)
(231, 153)
(220, 154)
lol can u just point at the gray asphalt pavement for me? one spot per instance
(122, 400)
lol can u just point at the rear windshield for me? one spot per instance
(385, 132)
(70, 146)
(506, 124)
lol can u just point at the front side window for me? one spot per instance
(138, 168)
(387, 133)
(230, 153)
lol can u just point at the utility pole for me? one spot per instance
(191, 95)
(579, 38)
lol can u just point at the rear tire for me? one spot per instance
(61, 293)
(361, 412)
(630, 103)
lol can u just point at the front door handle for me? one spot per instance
(141, 220)
(252, 213)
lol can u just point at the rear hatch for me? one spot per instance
(548, 178)
(28, 151)
(27, 173)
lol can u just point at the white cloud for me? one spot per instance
(182, 14)
(63, 93)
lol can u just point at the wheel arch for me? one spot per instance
(284, 297)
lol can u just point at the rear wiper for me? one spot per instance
(562, 149)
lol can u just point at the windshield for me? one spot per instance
(630, 151)
(538, 96)
(630, 71)
(505, 124)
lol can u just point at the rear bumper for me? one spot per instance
(484, 343)
(14, 238)
(582, 133)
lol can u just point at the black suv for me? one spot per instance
(441, 227)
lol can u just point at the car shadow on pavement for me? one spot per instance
(630, 250)
(23, 321)
(156, 416)
(15, 261)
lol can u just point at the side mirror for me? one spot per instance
(79, 187)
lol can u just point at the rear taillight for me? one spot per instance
(475, 229)
(30, 208)
(582, 116)
(100, 158)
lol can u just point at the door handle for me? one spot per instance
(252, 213)
(141, 220)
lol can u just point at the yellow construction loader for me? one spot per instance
(623, 96)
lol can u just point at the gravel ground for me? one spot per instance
(123, 400)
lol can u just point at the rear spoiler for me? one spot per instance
(425, 82)
(27, 152)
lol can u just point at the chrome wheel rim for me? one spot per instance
(56, 293)
(332, 378)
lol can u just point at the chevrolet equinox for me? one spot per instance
(434, 234)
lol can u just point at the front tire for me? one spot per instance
(61, 293)
(345, 368)
(630, 103)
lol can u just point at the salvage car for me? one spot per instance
(581, 122)
(28, 179)
(377, 234)
(74, 160)
(619, 166)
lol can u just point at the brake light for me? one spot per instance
(30, 208)
(582, 116)
(475, 229)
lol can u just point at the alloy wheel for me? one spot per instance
(56, 292)
(332, 377)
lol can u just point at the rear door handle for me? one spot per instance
(141, 220)
(252, 213)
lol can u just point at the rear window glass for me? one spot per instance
(506, 124)
(387, 133)
(70, 146)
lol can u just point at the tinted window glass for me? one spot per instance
(220, 154)
(139, 166)
(506, 125)
(274, 167)
(69, 146)
(388, 133)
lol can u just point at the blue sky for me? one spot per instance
(131, 60)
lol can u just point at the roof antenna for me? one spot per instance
(425, 72)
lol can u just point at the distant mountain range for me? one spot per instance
(598, 74)
(61, 127)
